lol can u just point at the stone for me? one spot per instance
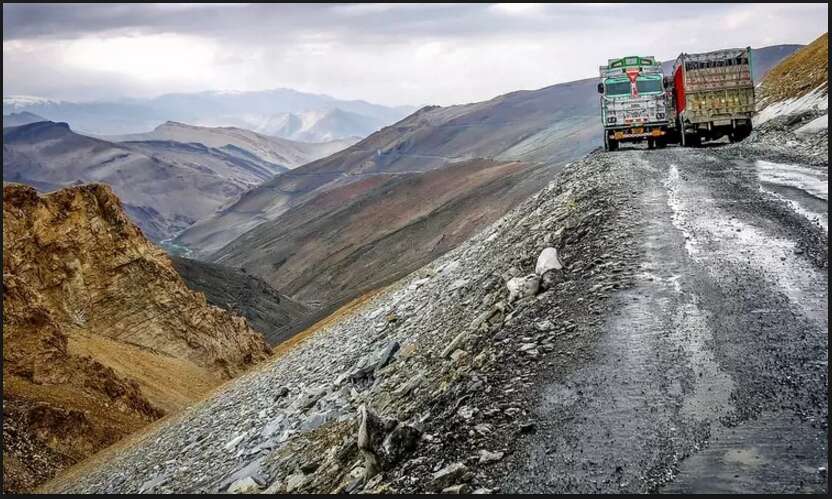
(245, 485)
(231, 444)
(522, 287)
(458, 354)
(317, 419)
(272, 426)
(295, 481)
(399, 442)
(449, 475)
(454, 344)
(548, 260)
(383, 442)
(462, 488)
(280, 393)
(489, 457)
(387, 354)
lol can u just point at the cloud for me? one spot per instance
(387, 53)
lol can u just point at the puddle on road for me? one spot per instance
(804, 190)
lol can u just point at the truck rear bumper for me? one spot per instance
(646, 132)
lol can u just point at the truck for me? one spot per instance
(713, 95)
(635, 102)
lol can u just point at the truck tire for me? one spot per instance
(613, 145)
(661, 142)
(606, 142)
(651, 143)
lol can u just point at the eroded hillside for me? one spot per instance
(100, 334)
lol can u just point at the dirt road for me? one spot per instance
(710, 374)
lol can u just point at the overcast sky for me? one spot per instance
(389, 54)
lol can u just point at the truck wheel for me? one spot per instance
(651, 143)
(661, 142)
(606, 142)
(613, 145)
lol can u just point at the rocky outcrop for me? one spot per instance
(90, 308)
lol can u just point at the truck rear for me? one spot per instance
(634, 102)
(713, 95)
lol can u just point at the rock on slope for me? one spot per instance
(100, 334)
(355, 238)
(283, 152)
(165, 187)
(267, 311)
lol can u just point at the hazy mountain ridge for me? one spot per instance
(212, 108)
(165, 187)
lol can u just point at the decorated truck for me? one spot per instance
(713, 95)
(635, 102)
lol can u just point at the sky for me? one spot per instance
(393, 54)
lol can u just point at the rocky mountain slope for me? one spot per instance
(793, 104)
(550, 125)
(358, 237)
(266, 309)
(797, 75)
(274, 150)
(165, 186)
(251, 110)
(100, 334)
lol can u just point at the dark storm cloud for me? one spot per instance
(362, 20)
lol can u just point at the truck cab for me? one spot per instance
(635, 102)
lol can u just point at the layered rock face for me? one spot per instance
(100, 334)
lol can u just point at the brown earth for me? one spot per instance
(324, 252)
(100, 335)
(797, 75)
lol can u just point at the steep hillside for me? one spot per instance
(550, 125)
(799, 74)
(267, 311)
(165, 187)
(358, 237)
(24, 118)
(286, 153)
(793, 107)
(100, 334)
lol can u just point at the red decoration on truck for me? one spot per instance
(632, 74)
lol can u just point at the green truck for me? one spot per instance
(713, 95)
(636, 102)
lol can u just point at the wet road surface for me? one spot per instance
(711, 372)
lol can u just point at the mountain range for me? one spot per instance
(283, 112)
(167, 179)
